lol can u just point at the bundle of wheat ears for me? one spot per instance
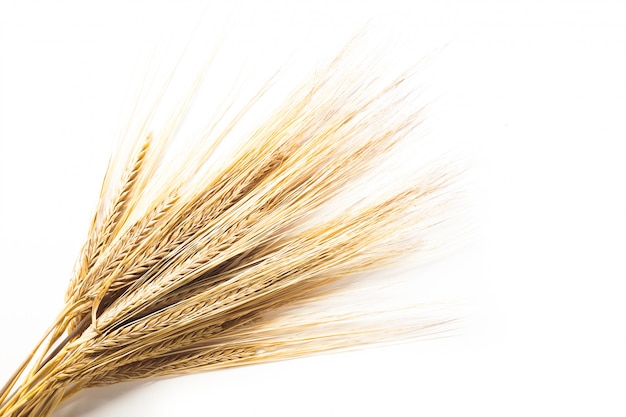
(205, 265)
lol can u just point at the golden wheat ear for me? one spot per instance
(187, 268)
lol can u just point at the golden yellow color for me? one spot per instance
(210, 273)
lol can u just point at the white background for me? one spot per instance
(534, 93)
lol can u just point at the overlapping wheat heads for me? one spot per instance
(211, 271)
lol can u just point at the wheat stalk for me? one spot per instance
(207, 274)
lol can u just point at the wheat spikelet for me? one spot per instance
(208, 271)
